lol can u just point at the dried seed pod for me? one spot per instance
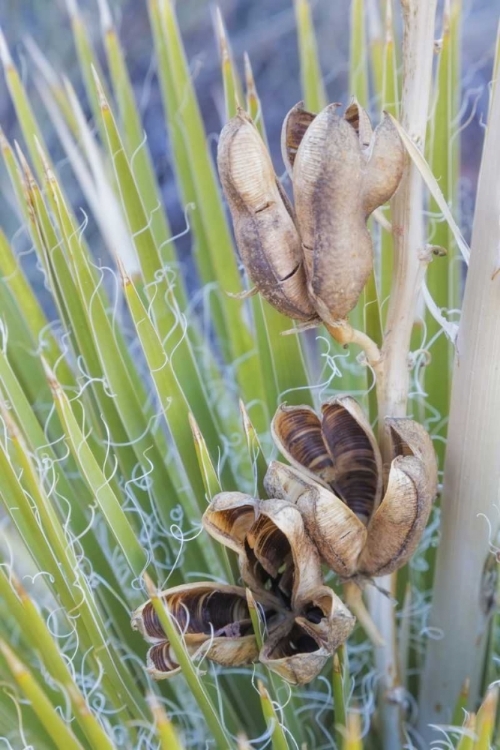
(299, 651)
(294, 655)
(264, 227)
(295, 125)
(358, 119)
(385, 158)
(229, 517)
(214, 620)
(327, 184)
(205, 608)
(337, 532)
(161, 662)
(341, 173)
(324, 617)
(397, 526)
(409, 438)
(279, 542)
(340, 451)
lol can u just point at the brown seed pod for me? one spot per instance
(336, 481)
(396, 527)
(264, 227)
(295, 125)
(298, 650)
(341, 173)
(196, 607)
(305, 620)
(229, 517)
(214, 620)
(337, 532)
(340, 451)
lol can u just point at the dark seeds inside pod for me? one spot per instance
(296, 642)
(355, 465)
(152, 624)
(209, 611)
(300, 432)
(314, 615)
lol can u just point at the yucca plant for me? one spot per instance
(141, 412)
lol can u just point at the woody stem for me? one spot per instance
(393, 378)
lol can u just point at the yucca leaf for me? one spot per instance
(255, 452)
(233, 93)
(310, 72)
(136, 147)
(165, 730)
(61, 734)
(204, 190)
(28, 616)
(278, 738)
(254, 107)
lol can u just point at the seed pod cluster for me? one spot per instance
(314, 263)
(363, 525)
(334, 503)
(304, 620)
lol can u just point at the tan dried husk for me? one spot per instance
(282, 568)
(393, 529)
(214, 620)
(340, 175)
(263, 221)
(315, 262)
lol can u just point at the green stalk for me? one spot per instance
(339, 706)
(133, 133)
(61, 734)
(438, 372)
(278, 738)
(310, 71)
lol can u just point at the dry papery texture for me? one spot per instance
(312, 261)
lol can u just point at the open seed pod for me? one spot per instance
(397, 525)
(310, 620)
(264, 227)
(214, 620)
(305, 620)
(339, 451)
(341, 173)
(299, 651)
(337, 532)
(295, 125)
(229, 517)
(355, 533)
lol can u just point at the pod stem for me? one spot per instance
(353, 597)
(345, 334)
(409, 266)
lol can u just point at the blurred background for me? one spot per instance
(266, 30)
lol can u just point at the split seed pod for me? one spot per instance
(264, 226)
(305, 620)
(214, 620)
(336, 480)
(341, 172)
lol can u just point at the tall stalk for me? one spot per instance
(410, 260)
(462, 602)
